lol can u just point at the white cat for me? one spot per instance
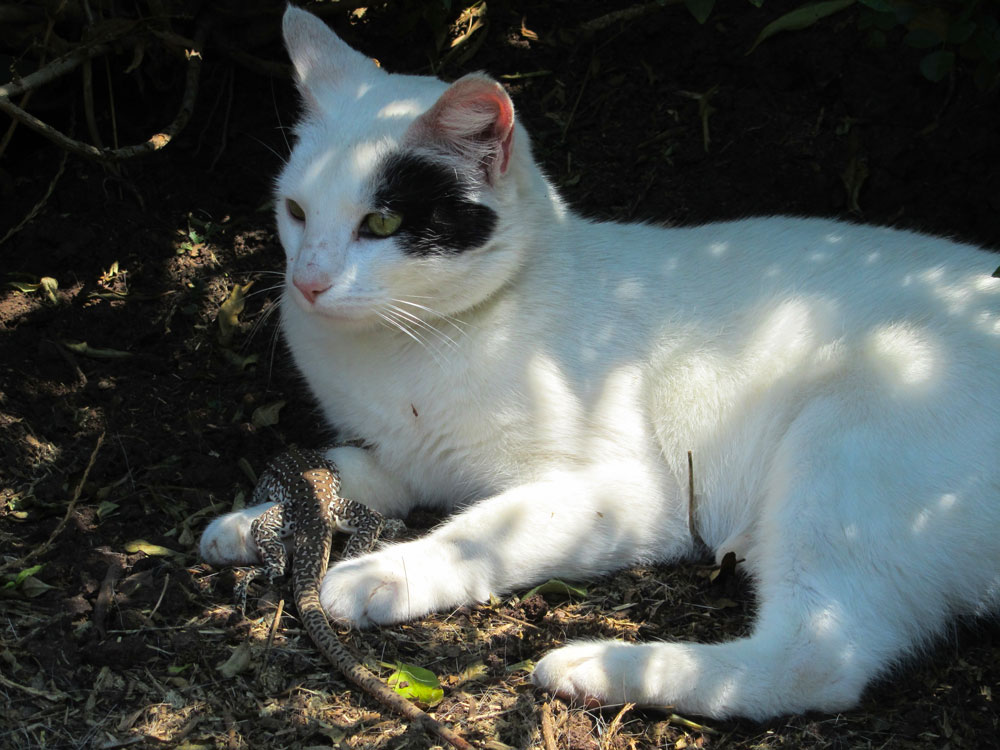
(839, 386)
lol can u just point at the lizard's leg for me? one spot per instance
(266, 531)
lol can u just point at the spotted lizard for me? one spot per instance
(305, 484)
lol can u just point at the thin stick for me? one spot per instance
(111, 104)
(274, 626)
(88, 103)
(163, 591)
(69, 512)
(677, 719)
(55, 69)
(56, 696)
(548, 727)
(615, 724)
(691, 492)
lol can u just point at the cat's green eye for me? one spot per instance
(298, 213)
(383, 224)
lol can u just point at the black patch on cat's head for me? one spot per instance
(439, 215)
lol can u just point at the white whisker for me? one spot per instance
(393, 316)
(438, 334)
(453, 321)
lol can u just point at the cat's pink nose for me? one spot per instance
(311, 288)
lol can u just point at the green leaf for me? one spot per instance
(700, 9)
(32, 587)
(267, 415)
(46, 285)
(937, 65)
(801, 18)
(527, 665)
(22, 577)
(415, 683)
(24, 287)
(84, 349)
(26, 584)
(106, 508)
(153, 550)
(559, 588)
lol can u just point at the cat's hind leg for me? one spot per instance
(864, 548)
(808, 651)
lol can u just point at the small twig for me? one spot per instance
(225, 122)
(272, 631)
(691, 498)
(548, 727)
(163, 591)
(88, 103)
(57, 696)
(615, 724)
(519, 621)
(678, 719)
(111, 103)
(55, 69)
(65, 519)
(576, 102)
(275, 624)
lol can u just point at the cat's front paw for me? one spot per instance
(398, 583)
(590, 672)
(227, 540)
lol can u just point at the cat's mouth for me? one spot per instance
(338, 312)
(341, 315)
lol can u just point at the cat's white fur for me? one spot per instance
(839, 386)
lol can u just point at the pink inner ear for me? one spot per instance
(474, 118)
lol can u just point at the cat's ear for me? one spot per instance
(322, 61)
(473, 119)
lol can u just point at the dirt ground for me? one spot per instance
(124, 410)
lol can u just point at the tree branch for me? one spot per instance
(58, 67)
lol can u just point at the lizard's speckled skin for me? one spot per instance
(304, 484)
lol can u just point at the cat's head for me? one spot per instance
(399, 190)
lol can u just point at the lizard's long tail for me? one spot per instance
(319, 629)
